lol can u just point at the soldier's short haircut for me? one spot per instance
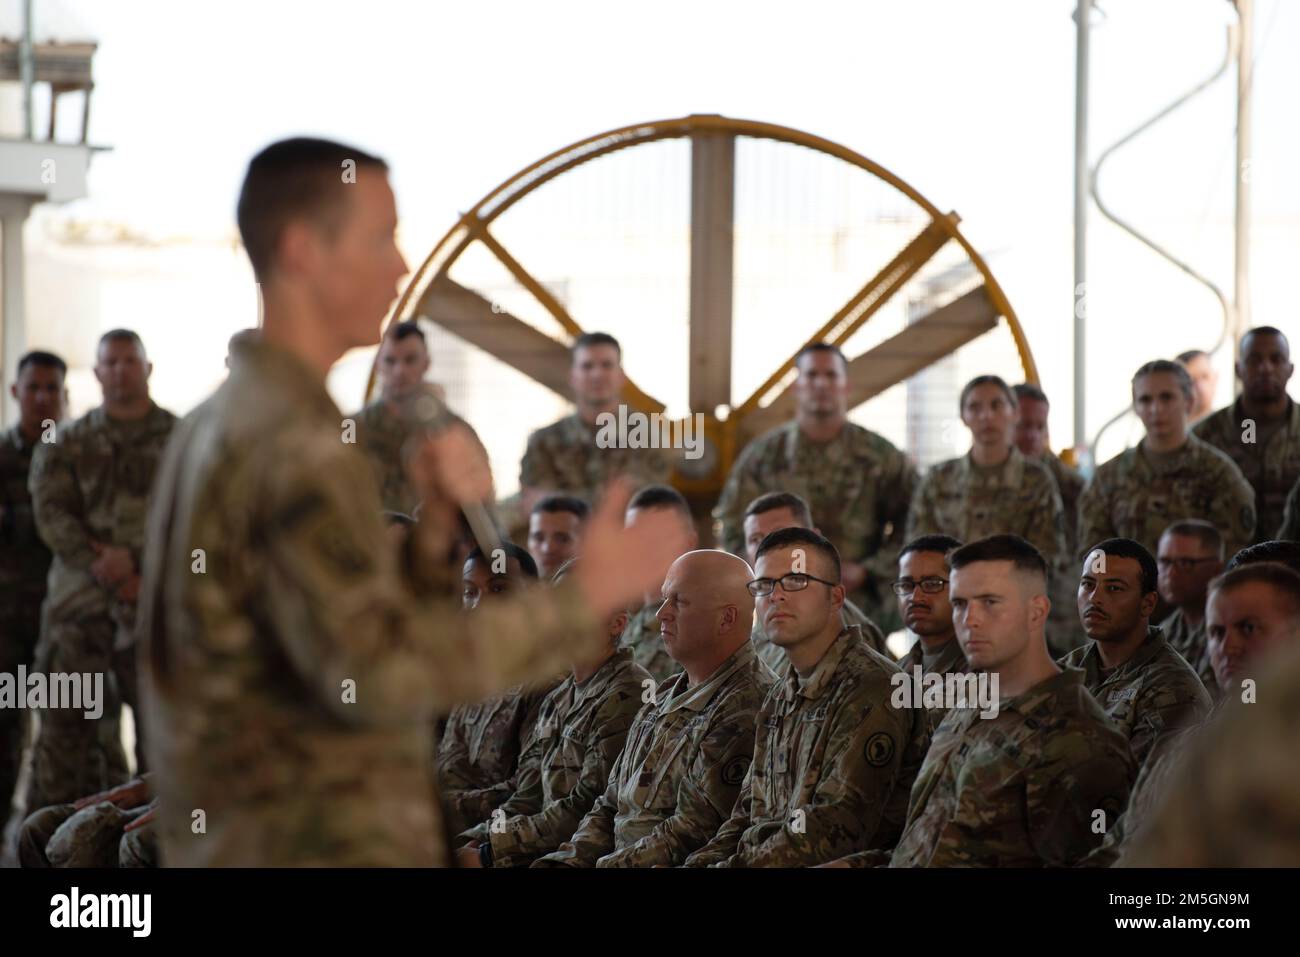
(295, 179)
(660, 496)
(1127, 548)
(404, 329)
(1176, 369)
(1190, 354)
(943, 545)
(980, 380)
(589, 339)
(1022, 555)
(1283, 552)
(563, 503)
(1206, 533)
(771, 501)
(1283, 580)
(525, 560)
(812, 347)
(42, 360)
(1265, 331)
(1027, 390)
(787, 537)
(121, 335)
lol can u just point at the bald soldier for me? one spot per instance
(1191, 554)
(1144, 686)
(90, 490)
(855, 482)
(691, 744)
(769, 513)
(384, 426)
(642, 634)
(1170, 475)
(1020, 789)
(834, 759)
(1260, 431)
(293, 658)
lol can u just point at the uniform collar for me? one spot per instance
(1155, 643)
(291, 376)
(815, 685)
(1041, 695)
(595, 686)
(950, 657)
(678, 695)
(1010, 473)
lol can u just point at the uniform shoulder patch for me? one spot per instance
(879, 749)
(733, 773)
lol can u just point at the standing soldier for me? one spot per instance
(384, 426)
(1032, 439)
(90, 491)
(1170, 475)
(1205, 379)
(293, 658)
(854, 481)
(563, 457)
(1191, 553)
(24, 559)
(1260, 431)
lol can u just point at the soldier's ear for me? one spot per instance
(1149, 601)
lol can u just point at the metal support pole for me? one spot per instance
(1241, 232)
(26, 69)
(13, 315)
(713, 190)
(1082, 15)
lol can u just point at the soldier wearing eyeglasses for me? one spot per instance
(1190, 555)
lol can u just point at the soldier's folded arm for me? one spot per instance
(594, 837)
(1163, 715)
(1077, 777)
(57, 506)
(722, 847)
(343, 611)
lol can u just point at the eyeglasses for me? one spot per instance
(1183, 564)
(793, 581)
(931, 586)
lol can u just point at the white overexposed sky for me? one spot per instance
(971, 102)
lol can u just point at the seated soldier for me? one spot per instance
(834, 760)
(691, 744)
(108, 829)
(1143, 685)
(1190, 554)
(1021, 788)
(479, 750)
(555, 531)
(642, 631)
(922, 590)
(580, 731)
(766, 514)
(1283, 552)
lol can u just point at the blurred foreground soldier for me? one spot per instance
(855, 482)
(1170, 475)
(691, 743)
(293, 662)
(642, 634)
(1191, 553)
(384, 426)
(555, 532)
(992, 489)
(834, 760)
(769, 513)
(24, 559)
(922, 590)
(564, 457)
(1064, 633)
(1205, 380)
(479, 751)
(580, 732)
(108, 829)
(1023, 788)
(90, 491)
(1143, 685)
(1232, 798)
(1260, 431)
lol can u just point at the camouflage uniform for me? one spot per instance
(580, 732)
(478, 754)
(1290, 530)
(1271, 468)
(1152, 695)
(1234, 799)
(564, 457)
(858, 487)
(381, 434)
(851, 616)
(91, 485)
(833, 765)
(24, 563)
(1133, 497)
(62, 836)
(1064, 629)
(678, 776)
(641, 637)
(1190, 643)
(302, 604)
(1018, 790)
(950, 659)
